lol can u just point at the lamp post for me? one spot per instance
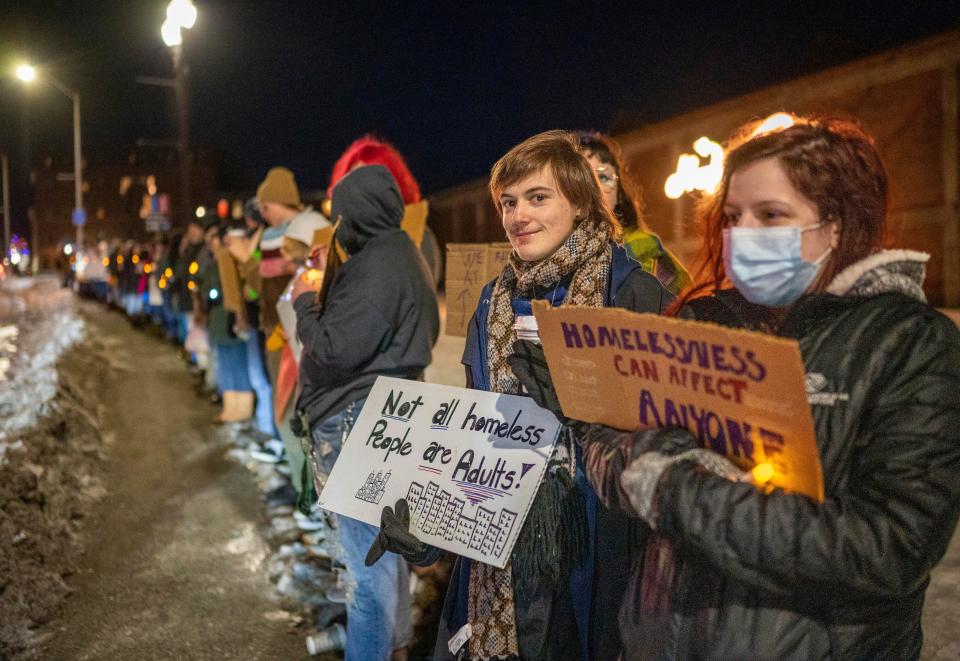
(181, 15)
(27, 74)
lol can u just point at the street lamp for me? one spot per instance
(181, 15)
(28, 74)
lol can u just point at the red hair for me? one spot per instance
(369, 150)
(832, 162)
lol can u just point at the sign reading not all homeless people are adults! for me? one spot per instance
(740, 393)
(468, 463)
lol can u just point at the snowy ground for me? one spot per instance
(51, 451)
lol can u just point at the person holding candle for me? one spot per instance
(793, 247)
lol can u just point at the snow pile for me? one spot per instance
(51, 452)
(38, 322)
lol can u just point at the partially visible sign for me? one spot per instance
(468, 462)
(740, 393)
(230, 283)
(79, 217)
(469, 267)
(415, 221)
(157, 223)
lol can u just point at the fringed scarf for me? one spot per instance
(553, 539)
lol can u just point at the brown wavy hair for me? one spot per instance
(575, 178)
(832, 162)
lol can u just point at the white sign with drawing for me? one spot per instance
(468, 462)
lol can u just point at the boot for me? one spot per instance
(242, 408)
(229, 406)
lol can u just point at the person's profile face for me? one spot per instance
(608, 177)
(536, 216)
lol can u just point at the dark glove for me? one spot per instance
(665, 440)
(395, 537)
(529, 365)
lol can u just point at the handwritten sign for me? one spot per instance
(230, 282)
(740, 393)
(414, 221)
(469, 267)
(468, 462)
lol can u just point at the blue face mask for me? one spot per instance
(765, 265)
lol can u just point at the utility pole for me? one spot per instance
(5, 165)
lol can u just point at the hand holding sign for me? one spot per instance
(467, 463)
(395, 537)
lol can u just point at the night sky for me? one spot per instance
(452, 85)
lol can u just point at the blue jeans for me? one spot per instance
(231, 366)
(260, 382)
(378, 612)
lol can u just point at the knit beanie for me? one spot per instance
(279, 187)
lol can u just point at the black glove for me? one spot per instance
(529, 364)
(395, 537)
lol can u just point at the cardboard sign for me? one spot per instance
(469, 267)
(322, 237)
(740, 393)
(230, 282)
(288, 318)
(468, 462)
(415, 221)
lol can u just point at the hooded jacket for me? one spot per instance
(735, 573)
(380, 316)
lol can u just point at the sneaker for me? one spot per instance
(265, 457)
(329, 640)
(311, 523)
(284, 495)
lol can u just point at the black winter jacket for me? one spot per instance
(381, 312)
(734, 573)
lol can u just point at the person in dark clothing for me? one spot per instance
(566, 251)
(379, 316)
(736, 572)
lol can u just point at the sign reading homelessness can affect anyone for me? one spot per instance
(468, 462)
(740, 393)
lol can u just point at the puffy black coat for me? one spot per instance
(734, 573)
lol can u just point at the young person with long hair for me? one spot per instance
(558, 596)
(625, 200)
(793, 247)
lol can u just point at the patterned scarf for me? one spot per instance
(586, 254)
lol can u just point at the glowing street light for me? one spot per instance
(171, 34)
(26, 73)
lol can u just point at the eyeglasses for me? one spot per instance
(607, 177)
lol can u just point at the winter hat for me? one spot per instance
(279, 187)
(303, 226)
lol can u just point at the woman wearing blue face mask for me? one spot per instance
(735, 572)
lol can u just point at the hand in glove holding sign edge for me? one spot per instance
(644, 454)
(395, 536)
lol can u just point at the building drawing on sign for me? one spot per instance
(374, 488)
(448, 523)
(484, 519)
(505, 524)
(441, 514)
(489, 540)
(413, 496)
(436, 509)
(423, 504)
(464, 531)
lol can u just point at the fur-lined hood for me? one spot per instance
(883, 272)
